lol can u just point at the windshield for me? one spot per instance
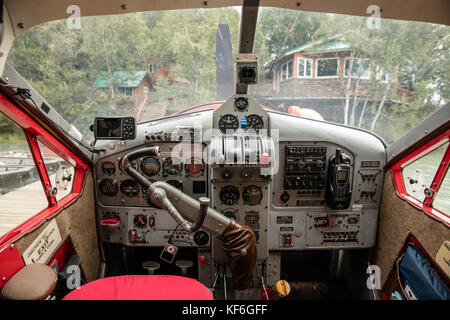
(384, 76)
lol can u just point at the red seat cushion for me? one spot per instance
(155, 287)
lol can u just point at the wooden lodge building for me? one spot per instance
(314, 76)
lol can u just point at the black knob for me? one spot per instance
(284, 197)
(227, 174)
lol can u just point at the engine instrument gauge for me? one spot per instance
(251, 218)
(241, 104)
(108, 167)
(108, 187)
(254, 122)
(230, 213)
(229, 195)
(177, 184)
(134, 165)
(201, 238)
(245, 174)
(228, 122)
(130, 188)
(172, 167)
(140, 221)
(195, 167)
(150, 166)
(252, 195)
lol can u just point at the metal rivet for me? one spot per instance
(298, 4)
(12, 246)
(21, 25)
(124, 6)
(4, 278)
(205, 3)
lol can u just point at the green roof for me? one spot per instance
(318, 46)
(122, 79)
(330, 46)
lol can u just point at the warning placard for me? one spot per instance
(43, 247)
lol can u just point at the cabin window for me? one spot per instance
(145, 90)
(419, 173)
(304, 69)
(60, 171)
(127, 91)
(152, 67)
(289, 69)
(442, 200)
(283, 71)
(360, 68)
(382, 75)
(327, 67)
(21, 192)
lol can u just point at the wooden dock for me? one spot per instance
(21, 204)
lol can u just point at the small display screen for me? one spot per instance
(109, 128)
(342, 176)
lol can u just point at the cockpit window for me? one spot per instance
(384, 77)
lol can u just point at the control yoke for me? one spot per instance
(158, 195)
(239, 241)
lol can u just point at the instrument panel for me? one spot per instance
(299, 184)
(115, 188)
(125, 213)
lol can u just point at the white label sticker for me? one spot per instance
(409, 293)
(43, 247)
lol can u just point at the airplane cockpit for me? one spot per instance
(240, 199)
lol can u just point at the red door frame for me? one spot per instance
(427, 204)
(34, 132)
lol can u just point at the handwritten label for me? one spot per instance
(43, 247)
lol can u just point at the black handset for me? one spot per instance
(338, 192)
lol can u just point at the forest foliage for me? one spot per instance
(63, 63)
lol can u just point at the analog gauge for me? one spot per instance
(245, 174)
(134, 165)
(130, 188)
(230, 213)
(108, 187)
(150, 166)
(177, 184)
(108, 167)
(140, 221)
(241, 104)
(201, 238)
(251, 218)
(229, 195)
(254, 122)
(226, 174)
(228, 122)
(172, 167)
(194, 168)
(252, 195)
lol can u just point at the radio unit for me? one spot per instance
(305, 167)
(300, 159)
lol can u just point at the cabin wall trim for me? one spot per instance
(398, 218)
(32, 131)
(427, 204)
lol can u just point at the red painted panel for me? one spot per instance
(10, 263)
(61, 255)
(33, 130)
(397, 169)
